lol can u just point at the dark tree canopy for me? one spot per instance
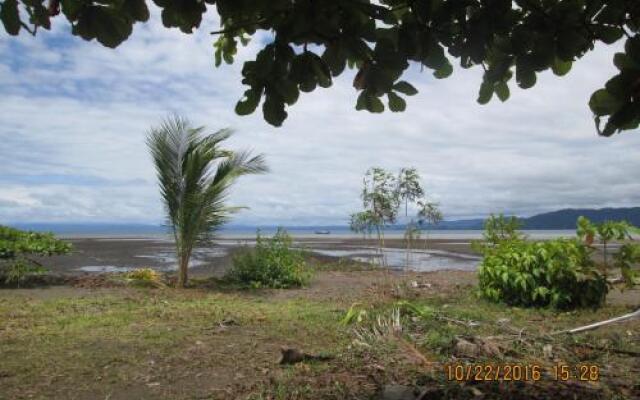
(313, 41)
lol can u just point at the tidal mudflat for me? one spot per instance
(101, 255)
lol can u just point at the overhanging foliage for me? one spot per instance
(314, 41)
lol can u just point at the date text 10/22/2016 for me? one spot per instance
(521, 372)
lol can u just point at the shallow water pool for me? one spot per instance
(415, 260)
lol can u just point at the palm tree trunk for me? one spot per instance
(183, 273)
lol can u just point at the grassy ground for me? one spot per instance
(216, 342)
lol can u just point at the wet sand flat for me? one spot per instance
(96, 255)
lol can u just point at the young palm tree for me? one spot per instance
(195, 175)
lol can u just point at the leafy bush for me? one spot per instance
(16, 248)
(15, 243)
(557, 273)
(624, 259)
(272, 263)
(20, 273)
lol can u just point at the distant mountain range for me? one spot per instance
(561, 219)
(566, 219)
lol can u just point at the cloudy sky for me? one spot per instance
(74, 115)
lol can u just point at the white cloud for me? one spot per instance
(76, 108)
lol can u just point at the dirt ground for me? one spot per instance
(216, 343)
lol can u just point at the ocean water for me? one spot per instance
(139, 231)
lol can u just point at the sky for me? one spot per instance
(74, 116)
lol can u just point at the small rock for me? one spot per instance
(465, 348)
(472, 349)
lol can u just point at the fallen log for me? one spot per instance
(626, 317)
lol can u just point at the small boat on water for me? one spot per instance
(322, 232)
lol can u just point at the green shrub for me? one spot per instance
(558, 273)
(16, 248)
(272, 263)
(605, 232)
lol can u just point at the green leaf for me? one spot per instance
(183, 14)
(486, 92)
(321, 71)
(10, 17)
(249, 104)
(525, 77)
(570, 43)
(71, 8)
(445, 71)
(396, 103)
(361, 103)
(368, 101)
(288, 90)
(434, 57)
(561, 67)
(106, 25)
(621, 86)
(502, 90)
(334, 56)
(608, 34)
(623, 61)
(217, 57)
(405, 87)
(632, 48)
(625, 117)
(374, 104)
(273, 111)
(137, 9)
(603, 103)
